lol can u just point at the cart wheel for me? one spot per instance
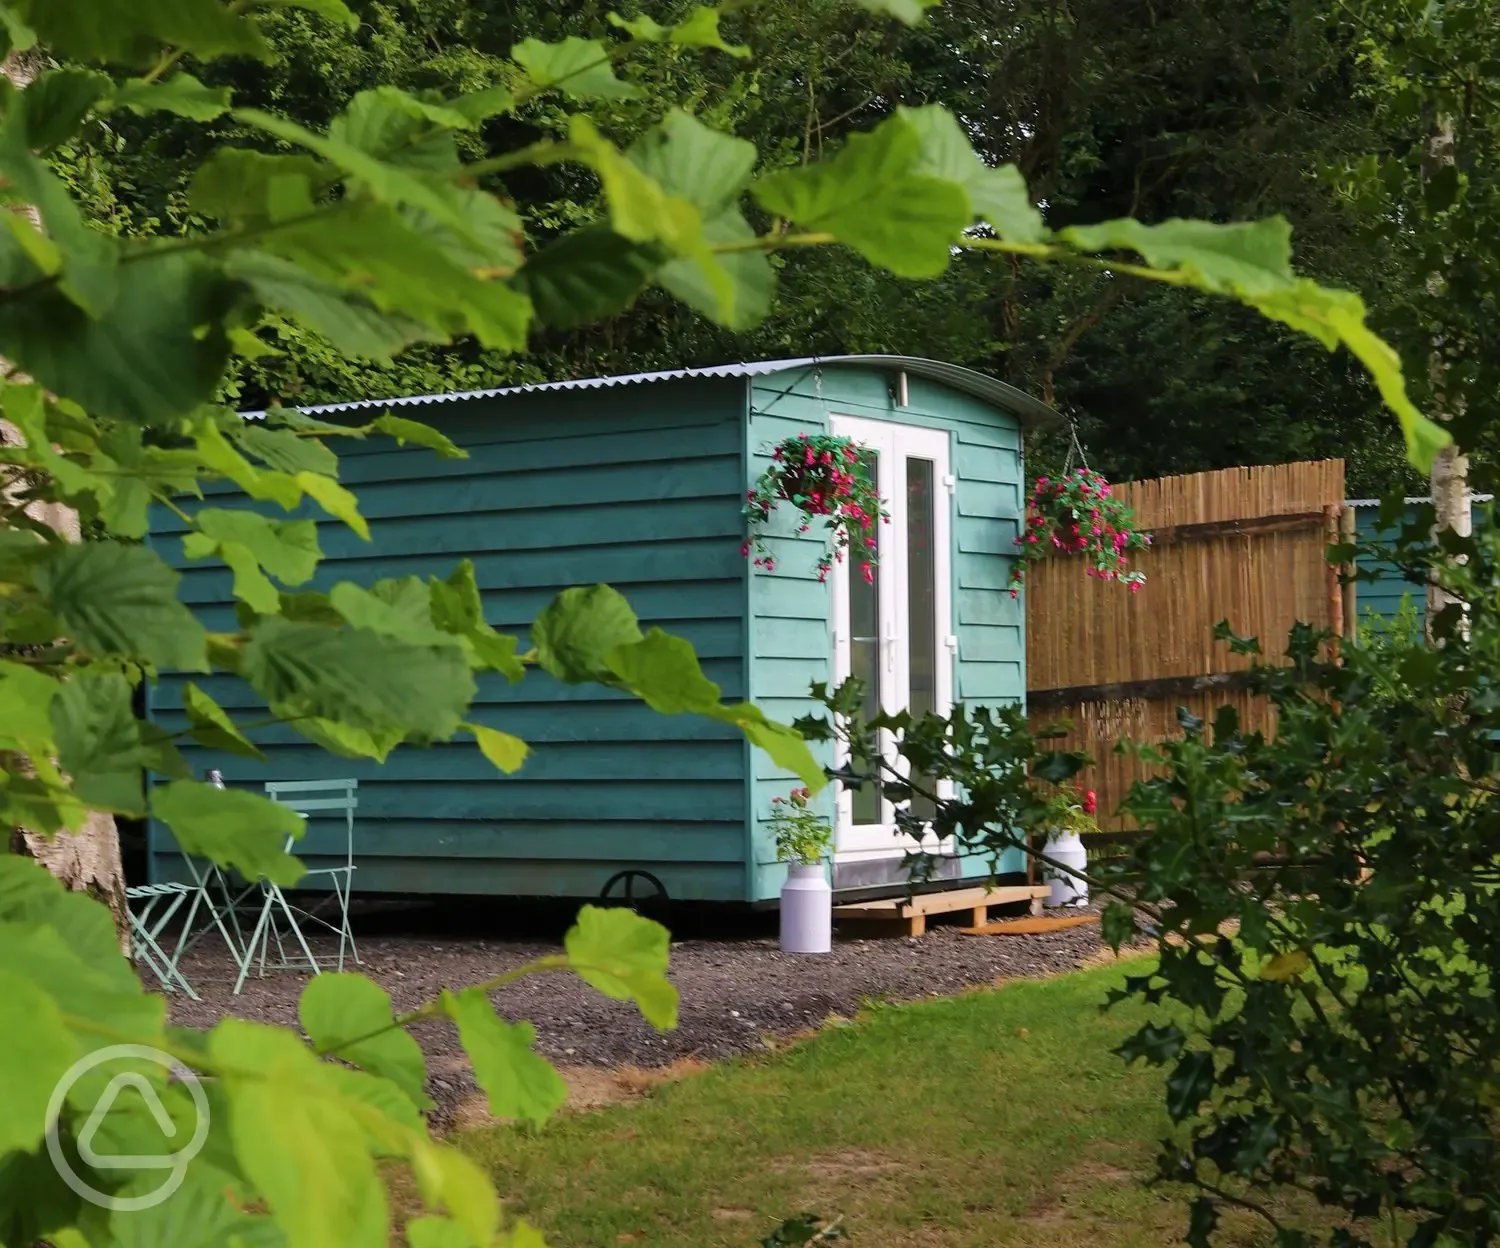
(634, 888)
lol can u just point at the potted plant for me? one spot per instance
(1077, 514)
(1072, 818)
(803, 839)
(824, 478)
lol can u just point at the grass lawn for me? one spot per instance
(995, 1118)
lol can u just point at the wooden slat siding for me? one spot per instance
(1263, 571)
(1382, 597)
(638, 488)
(792, 628)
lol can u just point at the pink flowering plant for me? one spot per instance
(824, 478)
(1077, 515)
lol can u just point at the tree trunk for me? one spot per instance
(1450, 471)
(86, 861)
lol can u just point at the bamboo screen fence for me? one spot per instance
(1244, 545)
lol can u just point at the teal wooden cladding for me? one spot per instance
(1382, 597)
(640, 486)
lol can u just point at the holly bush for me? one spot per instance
(375, 234)
(1325, 907)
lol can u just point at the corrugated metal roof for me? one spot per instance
(1033, 412)
(1412, 502)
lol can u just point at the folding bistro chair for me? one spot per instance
(159, 902)
(279, 919)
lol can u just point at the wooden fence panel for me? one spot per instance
(1244, 545)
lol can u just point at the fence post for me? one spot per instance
(1331, 526)
(1347, 535)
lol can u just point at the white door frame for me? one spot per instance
(895, 443)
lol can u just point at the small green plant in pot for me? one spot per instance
(804, 840)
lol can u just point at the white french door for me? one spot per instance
(895, 633)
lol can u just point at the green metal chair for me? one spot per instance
(158, 903)
(281, 921)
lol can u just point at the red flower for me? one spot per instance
(1090, 802)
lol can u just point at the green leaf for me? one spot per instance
(55, 104)
(212, 727)
(400, 608)
(447, 1178)
(638, 208)
(664, 672)
(624, 956)
(909, 11)
(700, 29)
(196, 1216)
(1190, 1084)
(157, 351)
(99, 741)
(30, 895)
(239, 185)
(233, 827)
(347, 319)
(519, 1083)
(998, 196)
(483, 104)
(284, 450)
(576, 632)
(430, 1232)
(1201, 1223)
(581, 67)
(334, 10)
(335, 500)
(457, 608)
(133, 34)
(872, 197)
(586, 276)
(502, 749)
(116, 599)
(181, 94)
(26, 708)
(37, 1049)
(298, 1142)
(287, 549)
(358, 678)
(350, 1017)
(417, 434)
(1286, 966)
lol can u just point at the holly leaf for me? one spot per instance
(580, 67)
(502, 749)
(519, 1083)
(872, 197)
(349, 1017)
(232, 827)
(212, 727)
(624, 956)
(117, 599)
(1190, 1084)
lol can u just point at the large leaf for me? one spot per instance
(699, 29)
(133, 32)
(350, 1017)
(286, 451)
(872, 196)
(116, 599)
(586, 276)
(55, 104)
(212, 727)
(156, 352)
(625, 956)
(664, 672)
(415, 433)
(181, 94)
(998, 196)
(300, 1145)
(241, 185)
(99, 741)
(457, 608)
(1252, 261)
(909, 11)
(580, 67)
(26, 696)
(287, 549)
(519, 1083)
(358, 677)
(507, 752)
(400, 608)
(233, 827)
(36, 1048)
(448, 1178)
(390, 124)
(579, 628)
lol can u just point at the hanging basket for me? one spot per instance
(1076, 514)
(824, 478)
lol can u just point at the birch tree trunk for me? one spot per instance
(1450, 471)
(86, 861)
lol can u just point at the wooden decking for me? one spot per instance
(913, 911)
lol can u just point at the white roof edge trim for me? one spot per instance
(1032, 411)
(1412, 501)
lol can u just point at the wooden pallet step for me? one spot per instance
(1030, 926)
(913, 911)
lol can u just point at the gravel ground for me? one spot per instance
(737, 988)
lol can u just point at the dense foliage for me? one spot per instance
(1325, 908)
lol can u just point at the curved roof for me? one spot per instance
(1033, 412)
